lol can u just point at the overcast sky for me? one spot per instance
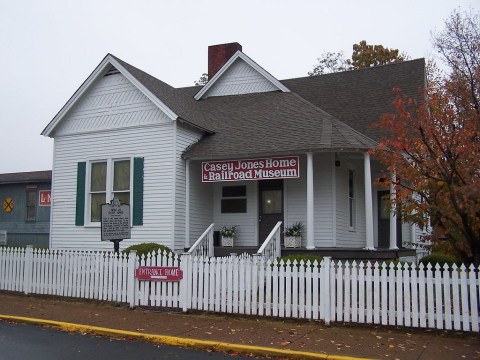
(48, 48)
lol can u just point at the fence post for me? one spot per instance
(132, 260)
(278, 249)
(326, 287)
(184, 286)
(27, 270)
(211, 249)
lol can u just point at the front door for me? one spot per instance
(270, 207)
(384, 222)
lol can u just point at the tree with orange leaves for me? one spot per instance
(434, 146)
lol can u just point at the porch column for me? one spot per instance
(187, 203)
(310, 231)
(393, 214)
(369, 244)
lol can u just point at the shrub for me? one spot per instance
(294, 229)
(439, 258)
(228, 230)
(146, 248)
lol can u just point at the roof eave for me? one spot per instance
(246, 155)
(182, 120)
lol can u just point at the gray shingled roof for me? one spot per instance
(271, 123)
(182, 104)
(26, 177)
(323, 113)
(360, 97)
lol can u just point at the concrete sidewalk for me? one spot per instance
(279, 335)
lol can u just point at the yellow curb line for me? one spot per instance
(178, 341)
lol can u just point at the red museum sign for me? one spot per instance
(253, 169)
(159, 273)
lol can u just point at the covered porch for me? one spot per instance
(330, 193)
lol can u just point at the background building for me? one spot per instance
(25, 212)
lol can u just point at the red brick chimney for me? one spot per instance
(218, 55)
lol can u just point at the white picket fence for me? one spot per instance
(400, 295)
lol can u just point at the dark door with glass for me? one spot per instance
(270, 195)
(384, 222)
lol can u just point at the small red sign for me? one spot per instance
(45, 198)
(159, 273)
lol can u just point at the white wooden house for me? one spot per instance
(185, 158)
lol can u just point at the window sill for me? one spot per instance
(92, 225)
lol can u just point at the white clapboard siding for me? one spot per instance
(185, 137)
(113, 119)
(247, 233)
(396, 295)
(240, 78)
(146, 142)
(201, 202)
(295, 195)
(346, 237)
(323, 165)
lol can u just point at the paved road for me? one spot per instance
(25, 342)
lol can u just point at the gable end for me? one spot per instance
(100, 71)
(240, 75)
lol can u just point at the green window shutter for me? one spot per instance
(137, 191)
(80, 205)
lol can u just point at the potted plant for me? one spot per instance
(228, 233)
(293, 235)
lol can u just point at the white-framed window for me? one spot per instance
(351, 199)
(234, 199)
(108, 179)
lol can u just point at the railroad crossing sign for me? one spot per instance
(8, 205)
